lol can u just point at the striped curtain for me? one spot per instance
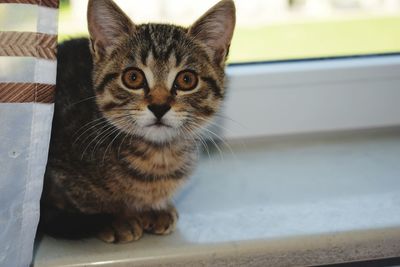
(28, 42)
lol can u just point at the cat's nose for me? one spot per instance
(159, 110)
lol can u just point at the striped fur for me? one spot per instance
(110, 153)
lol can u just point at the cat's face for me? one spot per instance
(160, 82)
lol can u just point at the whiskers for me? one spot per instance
(81, 101)
(187, 132)
(207, 136)
(98, 138)
(93, 135)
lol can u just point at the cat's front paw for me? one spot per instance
(125, 230)
(160, 222)
(122, 231)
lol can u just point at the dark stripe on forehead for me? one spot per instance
(162, 41)
(178, 57)
(148, 43)
(106, 80)
(155, 52)
(177, 34)
(176, 42)
(212, 84)
(168, 52)
(153, 38)
(171, 43)
(146, 32)
(144, 53)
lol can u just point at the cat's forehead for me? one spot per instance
(165, 45)
(162, 33)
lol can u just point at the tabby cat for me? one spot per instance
(131, 103)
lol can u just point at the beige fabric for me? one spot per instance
(27, 44)
(48, 3)
(26, 92)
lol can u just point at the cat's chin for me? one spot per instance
(159, 133)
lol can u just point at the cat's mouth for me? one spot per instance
(159, 124)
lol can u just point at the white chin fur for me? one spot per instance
(159, 134)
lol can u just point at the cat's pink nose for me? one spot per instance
(159, 110)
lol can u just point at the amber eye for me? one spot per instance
(186, 80)
(134, 78)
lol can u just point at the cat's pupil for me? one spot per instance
(133, 77)
(187, 79)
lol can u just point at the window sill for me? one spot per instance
(299, 200)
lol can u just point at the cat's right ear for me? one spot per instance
(108, 25)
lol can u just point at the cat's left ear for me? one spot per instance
(215, 29)
(108, 25)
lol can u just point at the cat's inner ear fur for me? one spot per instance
(108, 25)
(215, 29)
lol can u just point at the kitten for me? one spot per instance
(131, 103)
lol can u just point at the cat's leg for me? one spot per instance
(130, 228)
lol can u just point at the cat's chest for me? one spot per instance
(151, 195)
(149, 178)
(150, 163)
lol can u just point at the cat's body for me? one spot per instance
(128, 163)
(130, 105)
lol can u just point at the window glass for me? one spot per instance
(274, 29)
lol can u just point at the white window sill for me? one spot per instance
(299, 200)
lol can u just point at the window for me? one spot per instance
(305, 96)
(297, 200)
(275, 29)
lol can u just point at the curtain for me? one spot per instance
(28, 42)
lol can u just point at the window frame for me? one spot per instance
(280, 98)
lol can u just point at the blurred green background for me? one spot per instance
(296, 39)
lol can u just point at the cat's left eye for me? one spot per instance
(134, 78)
(186, 80)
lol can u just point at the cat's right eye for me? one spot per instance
(134, 78)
